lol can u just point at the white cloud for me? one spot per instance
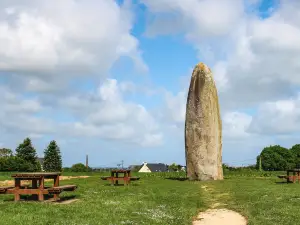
(235, 125)
(44, 46)
(246, 55)
(255, 63)
(66, 36)
(176, 106)
(106, 114)
(103, 113)
(198, 18)
(281, 117)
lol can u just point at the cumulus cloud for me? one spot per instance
(45, 46)
(255, 61)
(103, 113)
(281, 117)
(58, 39)
(106, 114)
(246, 52)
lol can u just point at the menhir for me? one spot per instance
(203, 127)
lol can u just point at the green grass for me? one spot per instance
(152, 200)
(156, 200)
(262, 200)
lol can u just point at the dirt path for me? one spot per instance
(215, 215)
(220, 217)
(11, 182)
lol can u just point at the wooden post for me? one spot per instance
(17, 188)
(41, 189)
(112, 175)
(128, 176)
(117, 176)
(56, 184)
(34, 186)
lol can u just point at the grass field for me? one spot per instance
(152, 200)
(157, 200)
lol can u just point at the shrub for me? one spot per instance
(79, 167)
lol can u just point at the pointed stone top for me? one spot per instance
(202, 70)
(201, 66)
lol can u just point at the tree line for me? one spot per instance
(25, 158)
(278, 158)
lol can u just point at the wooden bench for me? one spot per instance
(3, 189)
(59, 189)
(105, 178)
(109, 178)
(134, 178)
(289, 179)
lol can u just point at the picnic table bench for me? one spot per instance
(60, 189)
(114, 177)
(292, 178)
(37, 188)
(3, 189)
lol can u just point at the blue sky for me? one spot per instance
(113, 82)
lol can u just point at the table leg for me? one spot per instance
(56, 184)
(112, 175)
(117, 175)
(34, 186)
(17, 187)
(41, 189)
(294, 176)
(129, 175)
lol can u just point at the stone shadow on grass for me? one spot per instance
(47, 198)
(283, 182)
(177, 178)
(131, 184)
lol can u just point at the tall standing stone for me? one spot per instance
(203, 127)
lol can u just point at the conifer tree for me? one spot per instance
(52, 158)
(26, 151)
(27, 154)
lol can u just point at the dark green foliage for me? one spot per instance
(27, 153)
(14, 163)
(79, 167)
(296, 151)
(52, 158)
(276, 158)
(5, 152)
(66, 169)
(173, 167)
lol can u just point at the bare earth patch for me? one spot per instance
(220, 217)
(66, 202)
(11, 182)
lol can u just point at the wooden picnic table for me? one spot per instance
(296, 175)
(114, 176)
(37, 185)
